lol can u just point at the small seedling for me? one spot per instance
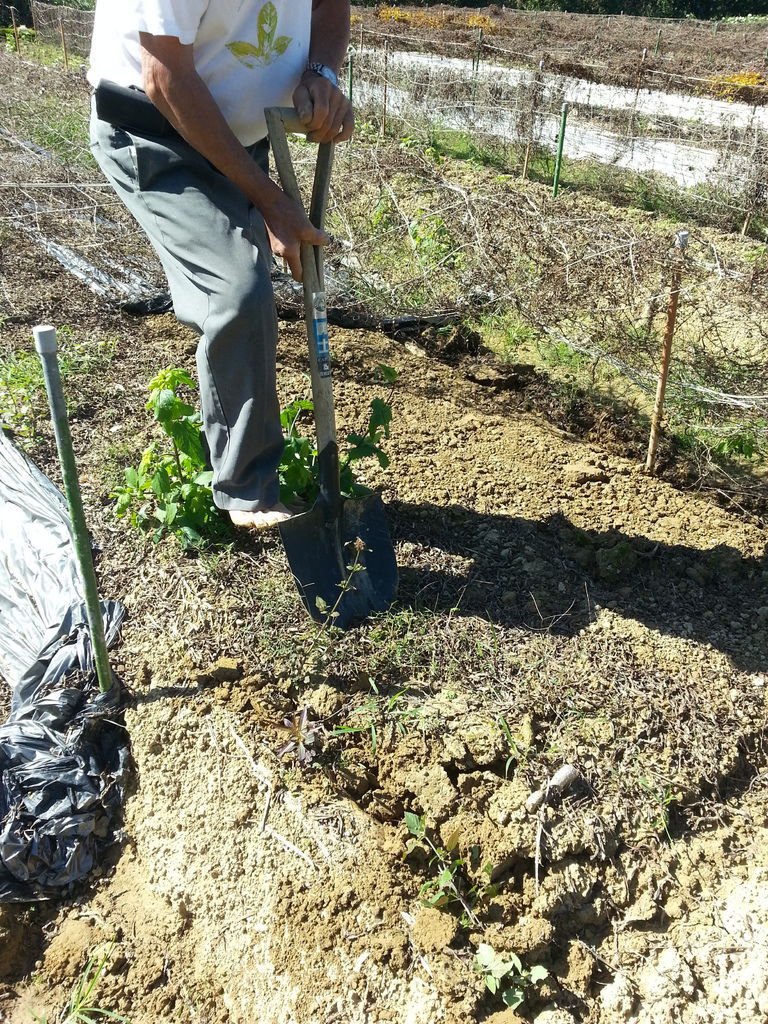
(377, 707)
(508, 978)
(449, 884)
(331, 612)
(80, 1008)
(305, 736)
(387, 374)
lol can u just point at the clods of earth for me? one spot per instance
(557, 608)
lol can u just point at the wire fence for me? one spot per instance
(715, 150)
(418, 234)
(65, 26)
(651, 143)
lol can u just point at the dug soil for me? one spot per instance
(557, 607)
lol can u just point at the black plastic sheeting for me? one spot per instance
(64, 755)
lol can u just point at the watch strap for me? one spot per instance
(324, 71)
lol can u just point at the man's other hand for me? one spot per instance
(323, 109)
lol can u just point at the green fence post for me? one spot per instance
(559, 158)
(45, 344)
(658, 44)
(349, 74)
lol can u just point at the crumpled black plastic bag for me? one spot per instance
(64, 754)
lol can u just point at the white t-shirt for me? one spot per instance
(250, 53)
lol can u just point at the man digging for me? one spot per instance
(178, 128)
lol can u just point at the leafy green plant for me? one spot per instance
(169, 492)
(507, 977)
(449, 884)
(298, 469)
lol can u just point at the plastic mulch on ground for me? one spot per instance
(64, 756)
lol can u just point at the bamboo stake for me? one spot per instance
(526, 159)
(45, 344)
(479, 52)
(537, 85)
(678, 261)
(350, 69)
(63, 42)
(476, 66)
(16, 39)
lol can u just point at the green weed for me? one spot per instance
(26, 36)
(23, 403)
(508, 978)
(663, 797)
(457, 145)
(35, 48)
(560, 354)
(22, 394)
(378, 710)
(449, 883)
(81, 1008)
(61, 128)
(748, 441)
(432, 241)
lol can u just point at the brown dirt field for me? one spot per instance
(557, 607)
(613, 622)
(597, 48)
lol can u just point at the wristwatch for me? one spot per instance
(324, 71)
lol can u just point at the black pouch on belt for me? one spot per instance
(131, 109)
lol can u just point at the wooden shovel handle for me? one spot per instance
(279, 121)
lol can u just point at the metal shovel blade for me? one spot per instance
(343, 560)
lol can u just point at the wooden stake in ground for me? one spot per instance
(16, 41)
(63, 42)
(678, 261)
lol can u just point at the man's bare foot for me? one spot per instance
(262, 520)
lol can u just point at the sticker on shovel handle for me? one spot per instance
(320, 330)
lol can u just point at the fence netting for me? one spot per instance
(61, 25)
(419, 233)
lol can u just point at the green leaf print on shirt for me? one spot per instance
(269, 48)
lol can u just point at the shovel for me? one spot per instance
(339, 551)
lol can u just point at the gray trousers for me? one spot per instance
(213, 247)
